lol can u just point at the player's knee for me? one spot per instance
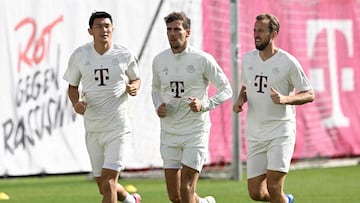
(256, 195)
(187, 188)
(108, 186)
(175, 198)
(100, 191)
(99, 184)
(274, 191)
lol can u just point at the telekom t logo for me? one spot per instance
(177, 87)
(101, 75)
(314, 27)
(260, 82)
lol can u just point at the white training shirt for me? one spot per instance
(265, 119)
(103, 79)
(176, 77)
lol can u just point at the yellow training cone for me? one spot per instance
(4, 196)
(130, 188)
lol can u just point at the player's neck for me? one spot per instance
(268, 52)
(101, 48)
(179, 49)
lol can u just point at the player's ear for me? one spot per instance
(188, 31)
(90, 31)
(274, 34)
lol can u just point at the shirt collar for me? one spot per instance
(185, 51)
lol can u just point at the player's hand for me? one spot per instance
(80, 107)
(237, 108)
(131, 89)
(162, 110)
(277, 98)
(195, 104)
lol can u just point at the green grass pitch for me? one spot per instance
(321, 185)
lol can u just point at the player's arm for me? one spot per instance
(133, 73)
(296, 99)
(157, 99)
(133, 86)
(300, 82)
(79, 106)
(217, 77)
(159, 105)
(240, 101)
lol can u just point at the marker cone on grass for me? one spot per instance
(4, 196)
(130, 188)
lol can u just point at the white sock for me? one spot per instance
(202, 200)
(129, 199)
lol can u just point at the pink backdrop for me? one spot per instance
(323, 36)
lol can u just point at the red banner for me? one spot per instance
(322, 36)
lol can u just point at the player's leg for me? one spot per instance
(107, 180)
(95, 151)
(256, 171)
(108, 184)
(193, 159)
(279, 159)
(257, 188)
(189, 179)
(116, 143)
(172, 178)
(275, 186)
(171, 155)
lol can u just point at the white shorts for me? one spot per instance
(190, 150)
(107, 150)
(273, 155)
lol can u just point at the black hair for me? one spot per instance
(98, 14)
